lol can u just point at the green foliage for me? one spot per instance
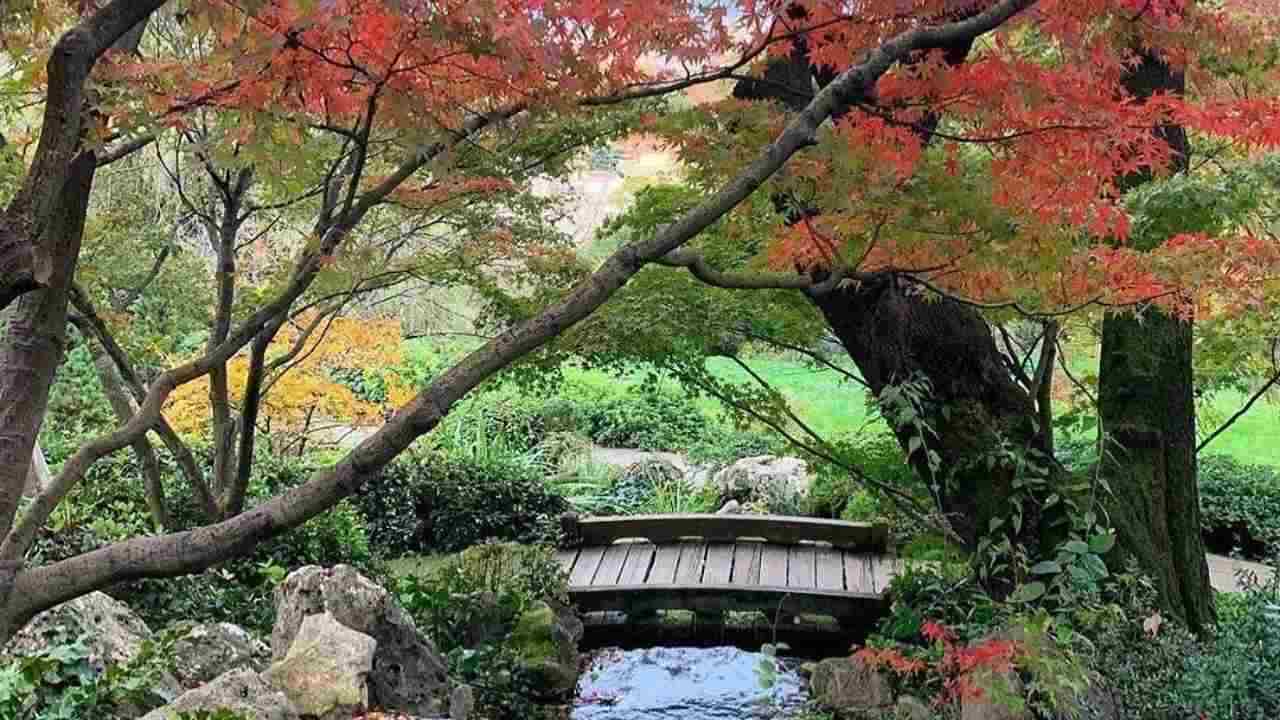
(488, 584)
(945, 593)
(78, 409)
(447, 501)
(62, 682)
(1239, 506)
(1236, 675)
(469, 604)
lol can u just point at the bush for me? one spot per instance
(446, 600)
(446, 503)
(1236, 676)
(469, 604)
(1239, 506)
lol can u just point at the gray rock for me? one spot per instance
(847, 685)
(546, 639)
(911, 708)
(208, 650)
(622, 458)
(326, 671)
(763, 477)
(241, 691)
(408, 674)
(112, 633)
(999, 698)
(733, 507)
(461, 702)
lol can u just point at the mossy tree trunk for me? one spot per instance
(1146, 406)
(982, 425)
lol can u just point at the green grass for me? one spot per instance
(833, 405)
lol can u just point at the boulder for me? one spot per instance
(763, 477)
(849, 686)
(113, 633)
(241, 691)
(546, 640)
(207, 651)
(733, 507)
(461, 702)
(325, 673)
(911, 708)
(999, 697)
(408, 673)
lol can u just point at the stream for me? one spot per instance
(688, 683)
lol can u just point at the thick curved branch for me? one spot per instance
(190, 551)
(697, 266)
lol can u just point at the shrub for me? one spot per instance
(470, 602)
(1239, 506)
(1236, 675)
(446, 601)
(646, 419)
(444, 502)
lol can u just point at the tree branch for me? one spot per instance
(179, 553)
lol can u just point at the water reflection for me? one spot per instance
(681, 683)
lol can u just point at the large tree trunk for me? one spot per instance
(1147, 412)
(975, 411)
(33, 346)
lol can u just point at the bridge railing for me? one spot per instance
(866, 537)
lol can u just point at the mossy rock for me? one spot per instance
(546, 642)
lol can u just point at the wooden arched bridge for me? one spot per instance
(713, 563)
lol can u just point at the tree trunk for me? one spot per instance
(124, 407)
(38, 477)
(974, 410)
(1147, 412)
(1146, 407)
(33, 347)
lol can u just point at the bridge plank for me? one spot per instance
(883, 569)
(584, 570)
(830, 575)
(611, 564)
(802, 570)
(566, 559)
(636, 568)
(727, 528)
(773, 565)
(719, 564)
(665, 561)
(857, 572)
(746, 563)
(692, 557)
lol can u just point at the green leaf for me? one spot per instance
(1077, 547)
(1101, 544)
(1030, 592)
(1048, 567)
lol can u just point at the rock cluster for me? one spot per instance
(341, 644)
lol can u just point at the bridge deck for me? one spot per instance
(715, 563)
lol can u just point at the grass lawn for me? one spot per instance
(833, 405)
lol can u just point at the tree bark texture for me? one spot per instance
(1146, 407)
(975, 408)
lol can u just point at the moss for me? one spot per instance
(533, 638)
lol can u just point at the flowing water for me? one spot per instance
(686, 683)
